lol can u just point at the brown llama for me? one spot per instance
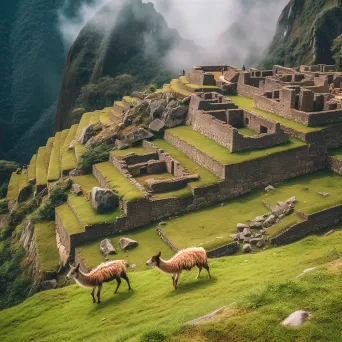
(103, 273)
(185, 259)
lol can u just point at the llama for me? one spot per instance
(185, 259)
(103, 273)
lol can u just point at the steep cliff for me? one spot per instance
(130, 39)
(305, 33)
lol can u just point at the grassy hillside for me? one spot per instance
(263, 286)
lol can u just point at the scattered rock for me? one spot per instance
(76, 172)
(323, 194)
(133, 267)
(270, 221)
(157, 126)
(330, 232)
(77, 189)
(296, 319)
(254, 241)
(247, 248)
(107, 248)
(247, 232)
(175, 116)
(261, 243)
(162, 223)
(269, 188)
(72, 145)
(138, 95)
(256, 225)
(186, 100)
(138, 135)
(86, 134)
(291, 200)
(48, 284)
(157, 108)
(127, 243)
(234, 236)
(121, 145)
(104, 200)
(241, 226)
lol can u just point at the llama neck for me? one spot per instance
(83, 279)
(166, 266)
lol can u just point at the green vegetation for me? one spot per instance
(23, 180)
(41, 174)
(87, 215)
(118, 182)
(105, 117)
(87, 183)
(264, 298)
(69, 220)
(48, 151)
(337, 51)
(149, 244)
(210, 227)
(139, 150)
(58, 195)
(95, 118)
(92, 156)
(6, 169)
(31, 171)
(105, 91)
(48, 256)
(248, 104)
(222, 154)
(54, 170)
(3, 207)
(175, 87)
(336, 152)
(68, 161)
(206, 177)
(248, 132)
(13, 187)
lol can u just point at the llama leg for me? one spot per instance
(124, 276)
(176, 280)
(92, 294)
(119, 283)
(99, 287)
(199, 271)
(207, 268)
(173, 280)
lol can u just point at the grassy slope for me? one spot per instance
(41, 171)
(69, 220)
(267, 294)
(31, 172)
(48, 255)
(222, 154)
(54, 171)
(87, 182)
(48, 151)
(13, 187)
(68, 158)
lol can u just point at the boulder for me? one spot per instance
(186, 100)
(76, 172)
(121, 145)
(72, 145)
(254, 241)
(86, 134)
(247, 248)
(256, 225)
(296, 319)
(270, 221)
(127, 243)
(176, 116)
(138, 95)
(138, 135)
(269, 188)
(103, 200)
(77, 189)
(48, 284)
(261, 243)
(157, 109)
(157, 126)
(247, 232)
(241, 226)
(292, 200)
(323, 194)
(330, 232)
(107, 248)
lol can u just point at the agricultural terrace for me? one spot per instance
(222, 154)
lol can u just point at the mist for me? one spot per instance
(228, 31)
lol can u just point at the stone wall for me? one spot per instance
(335, 164)
(313, 223)
(223, 251)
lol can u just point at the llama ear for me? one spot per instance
(77, 267)
(159, 254)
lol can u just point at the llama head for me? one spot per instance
(73, 273)
(154, 261)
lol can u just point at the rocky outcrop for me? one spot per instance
(127, 243)
(107, 248)
(103, 200)
(305, 33)
(296, 319)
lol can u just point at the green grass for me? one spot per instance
(118, 182)
(206, 177)
(49, 146)
(85, 213)
(263, 285)
(149, 244)
(336, 152)
(23, 180)
(68, 160)
(175, 87)
(69, 220)
(84, 122)
(105, 118)
(54, 171)
(48, 256)
(203, 227)
(139, 150)
(13, 187)
(95, 118)
(119, 104)
(79, 151)
(31, 172)
(248, 104)
(131, 100)
(222, 154)
(246, 131)
(41, 172)
(87, 182)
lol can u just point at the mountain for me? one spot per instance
(135, 40)
(305, 33)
